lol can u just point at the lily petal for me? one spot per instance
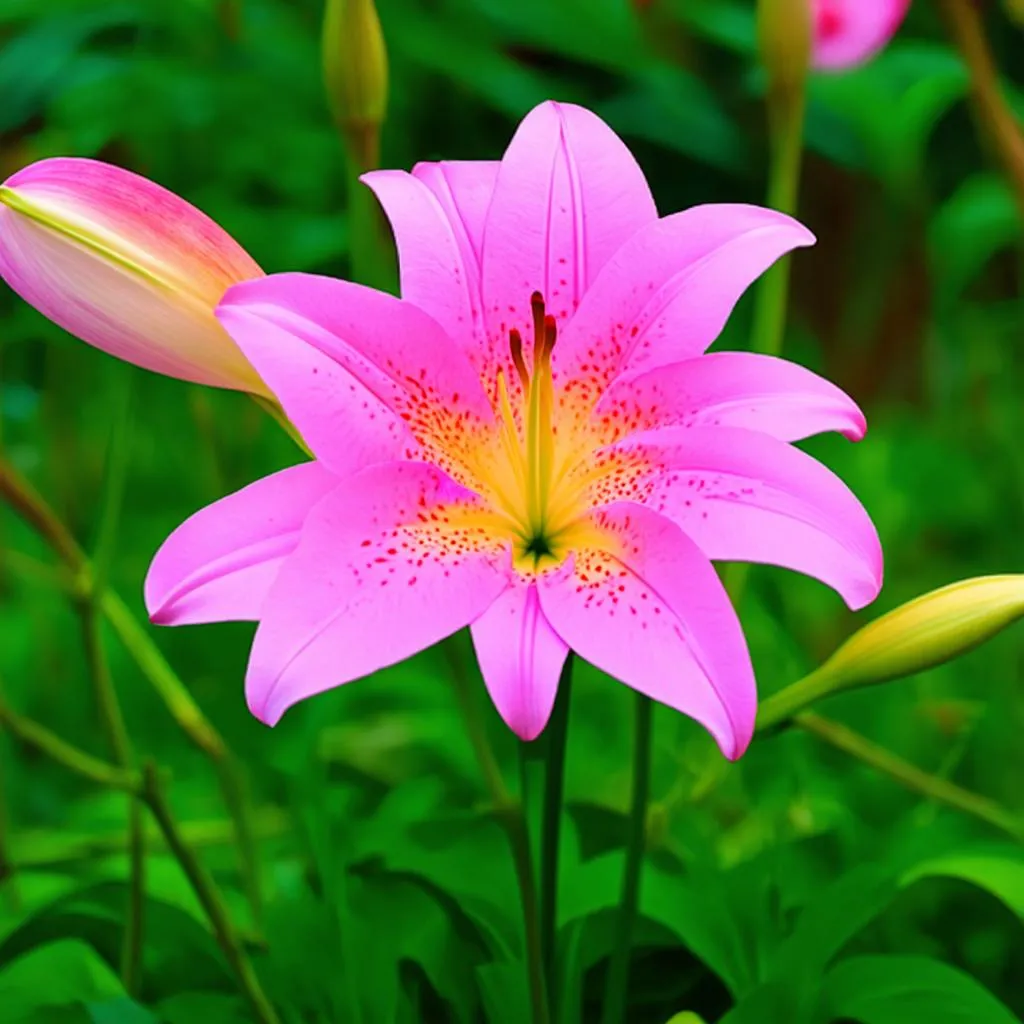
(743, 496)
(730, 389)
(437, 214)
(125, 265)
(850, 32)
(219, 564)
(390, 347)
(521, 658)
(380, 573)
(648, 608)
(568, 194)
(667, 293)
(342, 421)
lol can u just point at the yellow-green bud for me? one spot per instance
(925, 632)
(1015, 9)
(355, 67)
(784, 41)
(929, 630)
(686, 1018)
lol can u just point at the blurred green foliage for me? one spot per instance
(794, 886)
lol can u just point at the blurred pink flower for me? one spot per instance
(125, 265)
(849, 32)
(530, 442)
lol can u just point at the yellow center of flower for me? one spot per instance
(534, 494)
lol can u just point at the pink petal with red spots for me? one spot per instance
(731, 389)
(395, 350)
(568, 194)
(746, 497)
(341, 420)
(219, 564)
(521, 658)
(437, 214)
(850, 32)
(667, 293)
(379, 573)
(650, 611)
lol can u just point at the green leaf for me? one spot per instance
(694, 909)
(975, 223)
(207, 1007)
(124, 1011)
(505, 992)
(902, 989)
(179, 954)
(59, 976)
(998, 870)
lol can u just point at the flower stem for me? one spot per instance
(22, 497)
(618, 974)
(112, 722)
(208, 896)
(965, 26)
(909, 775)
(786, 130)
(556, 735)
(509, 813)
(74, 760)
(522, 852)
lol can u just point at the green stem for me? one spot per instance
(909, 775)
(38, 851)
(209, 897)
(555, 736)
(522, 853)
(780, 707)
(786, 133)
(76, 761)
(618, 974)
(21, 496)
(510, 815)
(786, 130)
(112, 722)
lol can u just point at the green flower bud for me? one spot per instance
(356, 74)
(932, 629)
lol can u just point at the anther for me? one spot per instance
(515, 344)
(550, 334)
(537, 307)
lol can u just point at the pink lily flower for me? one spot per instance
(530, 442)
(850, 32)
(126, 266)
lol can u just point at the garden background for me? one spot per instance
(800, 884)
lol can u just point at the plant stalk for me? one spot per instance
(913, 778)
(555, 737)
(617, 988)
(22, 497)
(510, 814)
(964, 19)
(208, 896)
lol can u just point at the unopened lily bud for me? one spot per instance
(356, 74)
(125, 265)
(784, 41)
(847, 33)
(1015, 9)
(934, 628)
(928, 631)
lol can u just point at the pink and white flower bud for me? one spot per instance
(125, 265)
(850, 32)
